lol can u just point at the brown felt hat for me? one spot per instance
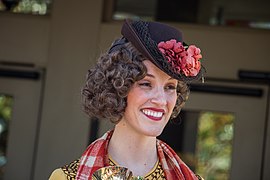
(145, 37)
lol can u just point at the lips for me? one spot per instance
(153, 114)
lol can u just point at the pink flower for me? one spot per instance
(190, 66)
(182, 60)
(194, 51)
(167, 44)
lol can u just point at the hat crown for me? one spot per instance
(163, 32)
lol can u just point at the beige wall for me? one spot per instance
(73, 39)
(66, 44)
(24, 38)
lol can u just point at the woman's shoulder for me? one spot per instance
(68, 171)
(58, 174)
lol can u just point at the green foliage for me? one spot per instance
(39, 7)
(6, 103)
(5, 107)
(214, 145)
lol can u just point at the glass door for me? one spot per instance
(220, 132)
(20, 99)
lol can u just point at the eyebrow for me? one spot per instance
(152, 76)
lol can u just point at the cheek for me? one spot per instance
(136, 97)
(172, 100)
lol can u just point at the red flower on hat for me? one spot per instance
(183, 60)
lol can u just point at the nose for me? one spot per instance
(159, 97)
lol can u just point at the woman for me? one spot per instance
(139, 84)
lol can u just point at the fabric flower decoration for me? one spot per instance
(183, 60)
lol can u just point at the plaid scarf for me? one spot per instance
(96, 156)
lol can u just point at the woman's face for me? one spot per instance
(150, 102)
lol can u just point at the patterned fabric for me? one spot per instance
(173, 166)
(156, 173)
(70, 170)
(96, 156)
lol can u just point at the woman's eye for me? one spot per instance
(146, 84)
(170, 87)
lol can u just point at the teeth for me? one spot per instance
(152, 113)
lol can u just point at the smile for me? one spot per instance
(154, 115)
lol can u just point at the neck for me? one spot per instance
(133, 150)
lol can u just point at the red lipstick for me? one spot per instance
(148, 113)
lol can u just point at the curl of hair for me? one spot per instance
(182, 96)
(104, 94)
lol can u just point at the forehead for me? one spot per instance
(155, 71)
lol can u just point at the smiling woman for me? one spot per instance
(139, 84)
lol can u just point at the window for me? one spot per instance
(208, 152)
(214, 145)
(252, 13)
(35, 7)
(6, 102)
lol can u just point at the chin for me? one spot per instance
(154, 133)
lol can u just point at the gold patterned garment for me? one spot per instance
(69, 171)
(156, 173)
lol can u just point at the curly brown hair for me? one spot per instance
(104, 94)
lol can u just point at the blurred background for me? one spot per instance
(46, 47)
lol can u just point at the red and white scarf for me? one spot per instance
(96, 156)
